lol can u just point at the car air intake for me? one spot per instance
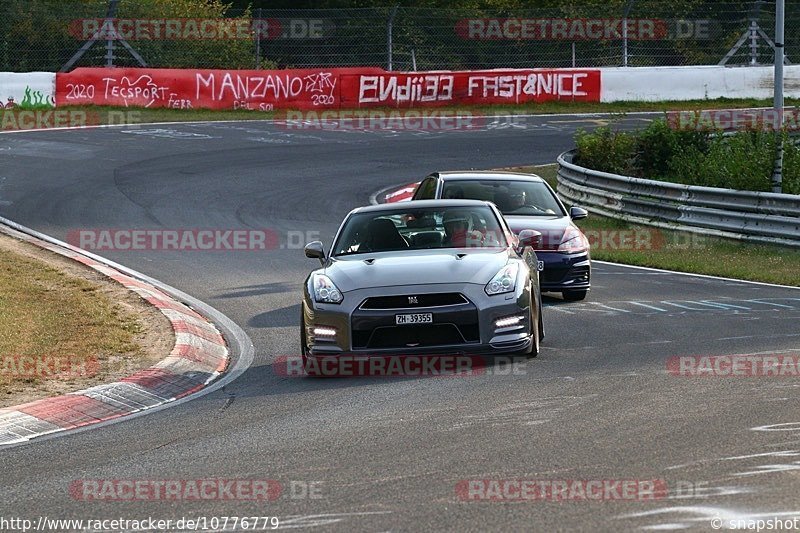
(412, 301)
(415, 336)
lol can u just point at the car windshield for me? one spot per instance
(512, 197)
(406, 228)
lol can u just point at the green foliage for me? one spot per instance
(606, 149)
(791, 169)
(743, 160)
(189, 53)
(44, 34)
(657, 144)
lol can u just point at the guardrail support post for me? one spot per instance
(258, 37)
(389, 31)
(777, 173)
(625, 32)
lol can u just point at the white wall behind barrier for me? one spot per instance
(641, 84)
(652, 84)
(27, 89)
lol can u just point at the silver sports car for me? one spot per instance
(428, 277)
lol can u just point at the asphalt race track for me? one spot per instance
(387, 454)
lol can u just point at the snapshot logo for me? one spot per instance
(580, 29)
(48, 366)
(44, 119)
(561, 490)
(735, 119)
(393, 366)
(171, 29)
(724, 366)
(378, 119)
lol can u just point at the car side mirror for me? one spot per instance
(315, 250)
(577, 213)
(530, 238)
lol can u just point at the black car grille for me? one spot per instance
(455, 321)
(553, 274)
(423, 335)
(559, 274)
(422, 300)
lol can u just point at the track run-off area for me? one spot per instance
(378, 454)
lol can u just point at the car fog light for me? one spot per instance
(508, 322)
(320, 331)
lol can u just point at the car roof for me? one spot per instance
(486, 175)
(420, 204)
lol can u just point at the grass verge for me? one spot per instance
(98, 115)
(686, 252)
(64, 327)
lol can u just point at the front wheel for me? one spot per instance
(303, 342)
(541, 325)
(574, 296)
(533, 351)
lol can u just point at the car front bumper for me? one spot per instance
(464, 328)
(564, 271)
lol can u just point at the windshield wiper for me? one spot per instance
(355, 252)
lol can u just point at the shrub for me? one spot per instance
(791, 168)
(606, 150)
(657, 144)
(743, 160)
(740, 161)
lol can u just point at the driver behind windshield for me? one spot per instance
(461, 231)
(517, 199)
(456, 226)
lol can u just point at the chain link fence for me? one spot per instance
(47, 35)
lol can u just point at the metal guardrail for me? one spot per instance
(751, 216)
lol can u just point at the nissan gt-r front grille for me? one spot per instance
(411, 301)
(374, 326)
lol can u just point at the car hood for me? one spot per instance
(422, 267)
(551, 228)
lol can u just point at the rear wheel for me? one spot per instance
(574, 296)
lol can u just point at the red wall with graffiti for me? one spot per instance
(266, 90)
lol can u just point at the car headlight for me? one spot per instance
(573, 241)
(504, 281)
(325, 292)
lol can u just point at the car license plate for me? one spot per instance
(416, 318)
